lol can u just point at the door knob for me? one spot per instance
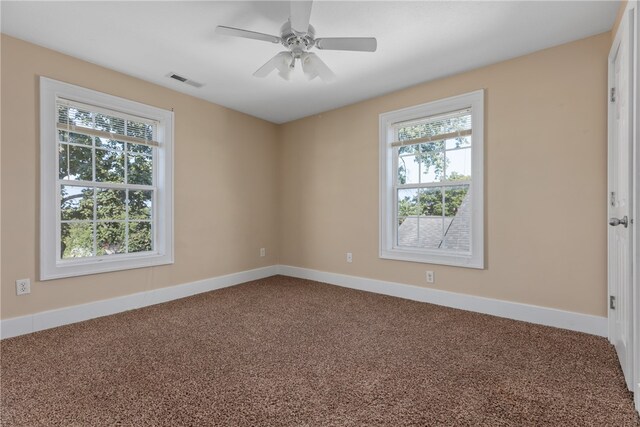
(616, 221)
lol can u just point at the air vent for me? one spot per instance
(184, 80)
(177, 77)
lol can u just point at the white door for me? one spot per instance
(621, 201)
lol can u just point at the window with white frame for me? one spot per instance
(106, 182)
(431, 182)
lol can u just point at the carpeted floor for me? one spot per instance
(284, 351)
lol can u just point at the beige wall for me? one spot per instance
(308, 190)
(545, 182)
(225, 185)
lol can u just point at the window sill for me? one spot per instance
(102, 265)
(426, 257)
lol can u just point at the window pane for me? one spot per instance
(109, 144)
(63, 159)
(459, 164)
(462, 142)
(432, 162)
(109, 166)
(140, 170)
(110, 238)
(80, 117)
(76, 203)
(458, 218)
(430, 223)
(63, 114)
(76, 239)
(407, 202)
(139, 130)
(78, 138)
(80, 163)
(109, 124)
(430, 228)
(408, 170)
(140, 237)
(408, 231)
(431, 147)
(140, 204)
(140, 148)
(431, 201)
(420, 224)
(408, 149)
(111, 204)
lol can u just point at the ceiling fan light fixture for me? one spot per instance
(309, 70)
(313, 67)
(285, 65)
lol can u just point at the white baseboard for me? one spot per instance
(595, 325)
(78, 313)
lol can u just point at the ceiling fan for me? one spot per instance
(298, 36)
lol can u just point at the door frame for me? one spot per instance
(630, 19)
(631, 14)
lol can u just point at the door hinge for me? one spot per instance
(613, 198)
(613, 94)
(612, 302)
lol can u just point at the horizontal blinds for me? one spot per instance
(102, 123)
(440, 137)
(454, 124)
(105, 134)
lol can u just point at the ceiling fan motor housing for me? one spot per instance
(295, 42)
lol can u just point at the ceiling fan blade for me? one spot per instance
(361, 44)
(237, 32)
(267, 68)
(314, 67)
(281, 62)
(300, 15)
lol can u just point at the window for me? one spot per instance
(106, 182)
(431, 182)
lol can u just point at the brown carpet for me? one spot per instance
(284, 351)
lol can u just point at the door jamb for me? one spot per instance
(632, 11)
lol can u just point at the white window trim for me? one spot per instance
(50, 266)
(388, 249)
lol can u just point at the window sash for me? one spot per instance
(396, 220)
(94, 221)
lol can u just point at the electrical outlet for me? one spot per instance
(349, 257)
(263, 252)
(431, 277)
(23, 286)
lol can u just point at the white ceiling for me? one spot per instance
(417, 42)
